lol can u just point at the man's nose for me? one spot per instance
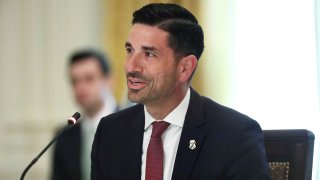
(133, 63)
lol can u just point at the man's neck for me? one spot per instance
(159, 110)
(93, 112)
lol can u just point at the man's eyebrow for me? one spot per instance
(148, 48)
(127, 44)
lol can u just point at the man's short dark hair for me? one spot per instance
(185, 34)
(85, 54)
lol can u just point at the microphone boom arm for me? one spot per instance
(71, 121)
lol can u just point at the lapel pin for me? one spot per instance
(192, 144)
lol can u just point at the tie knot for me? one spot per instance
(158, 128)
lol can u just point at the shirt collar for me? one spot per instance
(175, 117)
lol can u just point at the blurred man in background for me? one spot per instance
(90, 77)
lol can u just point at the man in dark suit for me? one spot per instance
(173, 132)
(90, 77)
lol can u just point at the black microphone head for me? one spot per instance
(73, 119)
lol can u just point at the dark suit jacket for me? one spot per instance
(66, 155)
(66, 163)
(229, 145)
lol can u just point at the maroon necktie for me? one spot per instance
(154, 167)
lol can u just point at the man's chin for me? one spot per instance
(86, 105)
(135, 98)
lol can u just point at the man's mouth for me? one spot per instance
(135, 83)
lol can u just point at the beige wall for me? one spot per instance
(36, 36)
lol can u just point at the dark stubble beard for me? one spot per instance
(152, 93)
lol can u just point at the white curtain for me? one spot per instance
(36, 38)
(262, 61)
(275, 65)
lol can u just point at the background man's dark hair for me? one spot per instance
(185, 34)
(85, 54)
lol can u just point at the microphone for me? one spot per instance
(71, 121)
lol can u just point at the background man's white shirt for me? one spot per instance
(88, 129)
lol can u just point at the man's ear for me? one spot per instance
(186, 67)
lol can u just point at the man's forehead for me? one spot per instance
(146, 35)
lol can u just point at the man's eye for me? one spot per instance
(150, 54)
(129, 50)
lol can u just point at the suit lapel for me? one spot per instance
(191, 139)
(134, 142)
(139, 141)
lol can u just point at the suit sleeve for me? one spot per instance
(247, 157)
(96, 172)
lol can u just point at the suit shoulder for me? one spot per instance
(69, 133)
(224, 115)
(123, 116)
(69, 139)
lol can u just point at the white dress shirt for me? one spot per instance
(170, 137)
(88, 128)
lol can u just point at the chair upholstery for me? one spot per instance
(289, 153)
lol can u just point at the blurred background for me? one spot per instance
(261, 57)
